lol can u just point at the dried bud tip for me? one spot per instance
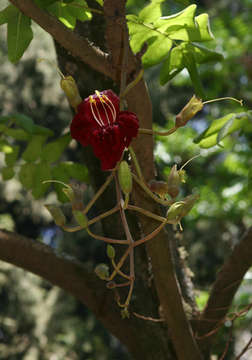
(57, 214)
(189, 111)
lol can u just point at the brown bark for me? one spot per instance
(225, 287)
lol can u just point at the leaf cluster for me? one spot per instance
(172, 41)
(39, 160)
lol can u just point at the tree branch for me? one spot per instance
(75, 278)
(75, 44)
(228, 281)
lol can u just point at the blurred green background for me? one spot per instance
(48, 324)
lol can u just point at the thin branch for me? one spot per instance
(76, 45)
(225, 287)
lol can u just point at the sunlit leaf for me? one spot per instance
(151, 12)
(226, 125)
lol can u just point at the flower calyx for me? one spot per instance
(189, 111)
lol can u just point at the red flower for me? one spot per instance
(101, 124)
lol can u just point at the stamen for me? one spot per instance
(110, 105)
(104, 107)
(92, 101)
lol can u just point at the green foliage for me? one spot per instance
(220, 128)
(171, 41)
(69, 12)
(40, 159)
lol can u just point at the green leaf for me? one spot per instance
(7, 173)
(203, 54)
(225, 125)
(69, 13)
(172, 65)
(18, 134)
(11, 157)
(79, 9)
(76, 171)
(41, 130)
(60, 10)
(176, 61)
(160, 32)
(59, 173)
(151, 12)
(190, 64)
(100, 2)
(157, 51)
(34, 148)
(26, 175)
(7, 13)
(19, 35)
(53, 150)
(24, 122)
(42, 173)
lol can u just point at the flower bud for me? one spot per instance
(189, 111)
(159, 187)
(174, 211)
(71, 90)
(57, 214)
(80, 218)
(125, 177)
(110, 251)
(173, 182)
(102, 271)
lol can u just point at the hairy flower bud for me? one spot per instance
(71, 90)
(125, 177)
(57, 214)
(173, 182)
(189, 111)
(102, 271)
